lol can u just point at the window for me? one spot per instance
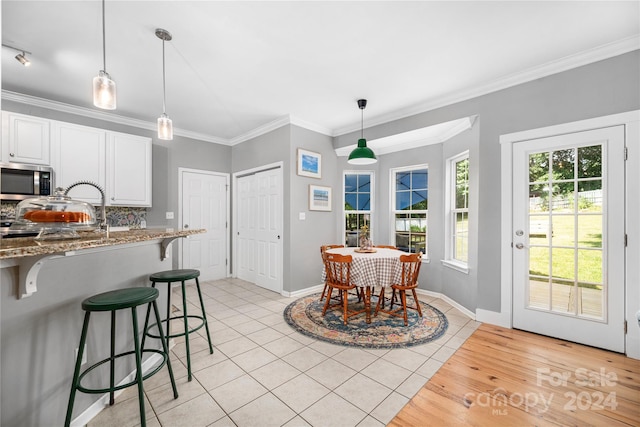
(458, 211)
(358, 204)
(410, 190)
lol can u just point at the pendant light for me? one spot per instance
(104, 89)
(165, 126)
(362, 155)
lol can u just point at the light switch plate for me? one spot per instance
(169, 215)
(302, 216)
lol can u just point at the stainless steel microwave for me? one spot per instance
(22, 181)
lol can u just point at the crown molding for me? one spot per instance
(100, 115)
(586, 57)
(311, 126)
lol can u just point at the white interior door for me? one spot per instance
(568, 237)
(205, 205)
(259, 229)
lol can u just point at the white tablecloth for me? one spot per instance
(381, 268)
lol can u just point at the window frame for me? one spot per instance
(369, 212)
(392, 208)
(451, 211)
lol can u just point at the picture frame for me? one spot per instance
(309, 163)
(319, 198)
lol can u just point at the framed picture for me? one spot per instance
(309, 163)
(319, 198)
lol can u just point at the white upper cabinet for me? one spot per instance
(79, 154)
(128, 169)
(25, 139)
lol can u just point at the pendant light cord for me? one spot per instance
(104, 42)
(362, 123)
(164, 89)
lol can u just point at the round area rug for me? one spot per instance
(384, 331)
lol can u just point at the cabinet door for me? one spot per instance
(129, 170)
(25, 139)
(79, 154)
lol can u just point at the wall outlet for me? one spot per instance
(169, 215)
(84, 355)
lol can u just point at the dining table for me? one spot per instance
(375, 267)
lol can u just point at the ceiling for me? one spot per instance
(235, 67)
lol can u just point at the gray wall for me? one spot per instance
(602, 88)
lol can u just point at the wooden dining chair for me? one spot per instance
(408, 281)
(323, 249)
(338, 269)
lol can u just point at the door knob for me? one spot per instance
(519, 245)
(12, 155)
(519, 232)
(186, 226)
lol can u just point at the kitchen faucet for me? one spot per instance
(103, 213)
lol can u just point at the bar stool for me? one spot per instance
(171, 276)
(113, 301)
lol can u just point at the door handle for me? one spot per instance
(519, 246)
(278, 237)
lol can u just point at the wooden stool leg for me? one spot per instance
(138, 353)
(186, 329)
(204, 316)
(76, 372)
(345, 297)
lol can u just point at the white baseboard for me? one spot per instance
(93, 410)
(470, 314)
(303, 292)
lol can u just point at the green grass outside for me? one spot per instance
(563, 258)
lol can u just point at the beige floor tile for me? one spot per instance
(429, 368)
(264, 335)
(223, 422)
(326, 348)
(265, 411)
(258, 313)
(297, 422)
(237, 346)
(389, 408)
(331, 373)
(455, 342)
(333, 410)
(249, 327)
(355, 358)
(161, 378)
(283, 328)
(254, 359)
(162, 398)
(218, 374)
(124, 413)
(237, 393)
(283, 346)
(301, 392)
(369, 421)
(204, 359)
(363, 392)
(196, 344)
(303, 339)
(275, 374)
(406, 358)
(426, 349)
(225, 335)
(411, 385)
(305, 358)
(386, 373)
(236, 320)
(201, 411)
(443, 354)
(271, 319)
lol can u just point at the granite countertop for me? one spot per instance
(26, 246)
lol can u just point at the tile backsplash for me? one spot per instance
(117, 216)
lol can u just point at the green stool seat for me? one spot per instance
(171, 276)
(112, 301)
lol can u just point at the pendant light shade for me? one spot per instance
(362, 155)
(165, 125)
(104, 89)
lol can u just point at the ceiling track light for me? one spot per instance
(362, 155)
(104, 89)
(165, 125)
(22, 56)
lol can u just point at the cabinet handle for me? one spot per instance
(12, 154)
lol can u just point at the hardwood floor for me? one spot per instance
(505, 377)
